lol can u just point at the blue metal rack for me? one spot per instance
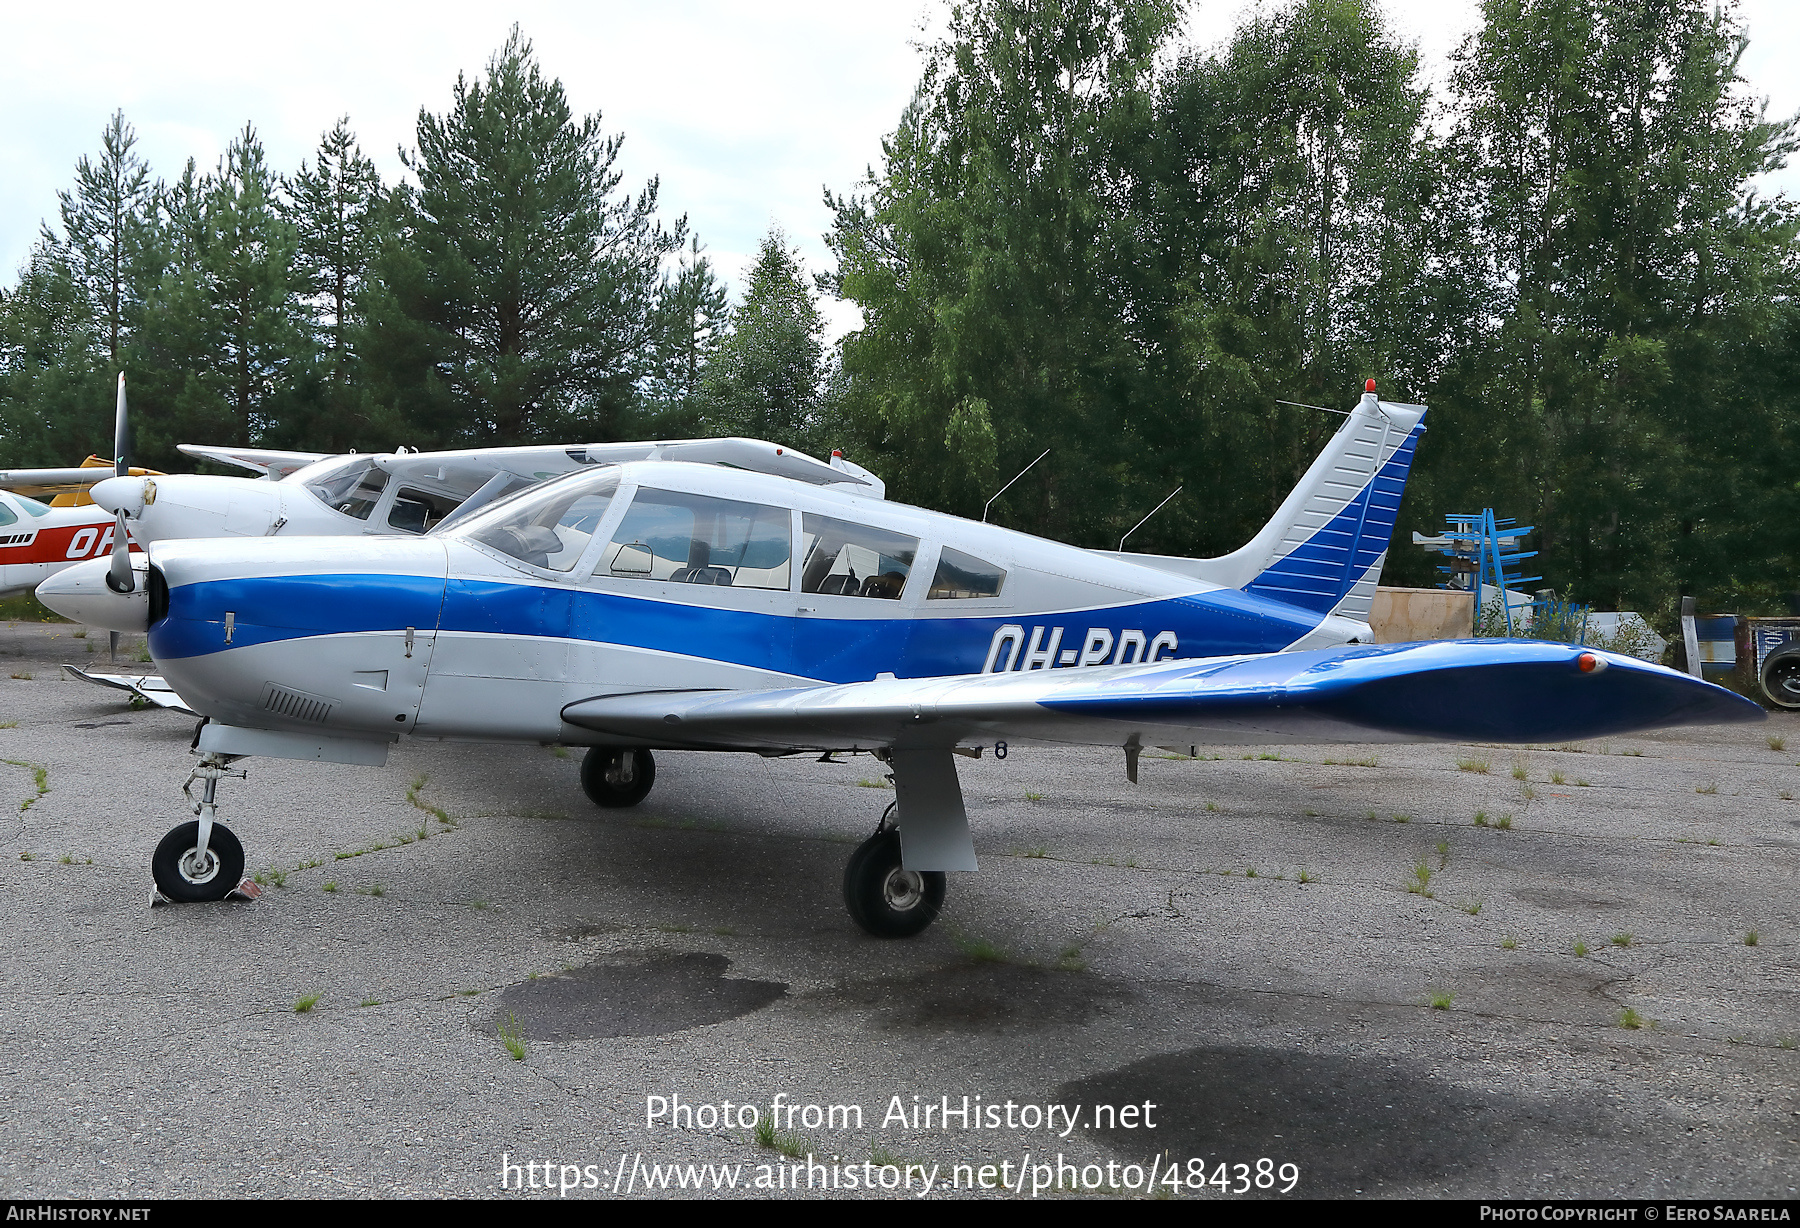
(1484, 551)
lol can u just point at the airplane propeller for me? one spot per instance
(118, 573)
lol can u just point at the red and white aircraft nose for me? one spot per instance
(81, 593)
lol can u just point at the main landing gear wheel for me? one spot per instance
(190, 879)
(885, 899)
(1781, 677)
(613, 777)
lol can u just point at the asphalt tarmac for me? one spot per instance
(1353, 971)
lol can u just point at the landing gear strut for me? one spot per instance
(200, 860)
(615, 777)
(883, 897)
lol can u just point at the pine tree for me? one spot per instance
(335, 208)
(519, 306)
(104, 220)
(692, 318)
(767, 377)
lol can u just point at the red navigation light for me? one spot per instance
(838, 452)
(1369, 387)
(1589, 663)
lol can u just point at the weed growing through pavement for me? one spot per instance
(1710, 787)
(765, 1132)
(1581, 784)
(872, 784)
(1776, 743)
(1250, 872)
(1480, 767)
(1421, 880)
(1070, 960)
(23, 675)
(1621, 940)
(1306, 876)
(1751, 939)
(1518, 772)
(1580, 948)
(1441, 1001)
(1481, 819)
(1034, 797)
(1527, 792)
(370, 1002)
(330, 885)
(1633, 752)
(1629, 1018)
(1787, 795)
(513, 1037)
(28, 855)
(1042, 850)
(1473, 908)
(306, 1003)
(1212, 807)
(40, 779)
(1401, 818)
(1509, 943)
(978, 949)
(1504, 822)
(1557, 777)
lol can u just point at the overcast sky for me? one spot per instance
(746, 111)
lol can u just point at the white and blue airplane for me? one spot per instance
(661, 604)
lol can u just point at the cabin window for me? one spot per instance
(961, 576)
(854, 560)
(31, 506)
(548, 526)
(415, 511)
(7, 515)
(353, 490)
(696, 539)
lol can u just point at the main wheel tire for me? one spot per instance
(610, 780)
(1781, 677)
(178, 877)
(885, 899)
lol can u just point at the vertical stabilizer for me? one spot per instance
(1324, 547)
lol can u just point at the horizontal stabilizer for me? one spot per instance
(149, 687)
(1460, 690)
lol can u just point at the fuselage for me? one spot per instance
(37, 541)
(654, 576)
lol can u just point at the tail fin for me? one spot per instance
(1324, 547)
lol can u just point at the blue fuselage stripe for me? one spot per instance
(271, 609)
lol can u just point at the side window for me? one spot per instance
(7, 515)
(854, 560)
(961, 576)
(551, 528)
(415, 511)
(696, 539)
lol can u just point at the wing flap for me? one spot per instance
(1491, 691)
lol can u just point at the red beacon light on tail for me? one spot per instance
(1369, 387)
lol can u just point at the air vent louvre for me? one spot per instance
(296, 705)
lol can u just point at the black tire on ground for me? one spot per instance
(224, 868)
(886, 900)
(610, 780)
(1781, 676)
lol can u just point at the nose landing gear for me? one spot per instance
(200, 860)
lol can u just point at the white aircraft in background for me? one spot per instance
(643, 606)
(313, 494)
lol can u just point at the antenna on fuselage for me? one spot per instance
(1008, 486)
(1146, 520)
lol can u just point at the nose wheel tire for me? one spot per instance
(886, 899)
(612, 777)
(188, 878)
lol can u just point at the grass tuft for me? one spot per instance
(1421, 880)
(1306, 876)
(1473, 908)
(1776, 743)
(1710, 787)
(1629, 1018)
(1504, 822)
(1557, 777)
(1441, 1001)
(305, 1004)
(1509, 943)
(370, 1002)
(978, 949)
(1751, 939)
(1621, 939)
(1580, 948)
(1481, 767)
(512, 1037)
(1481, 819)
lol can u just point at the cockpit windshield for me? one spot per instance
(351, 484)
(548, 526)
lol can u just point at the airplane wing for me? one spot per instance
(1459, 690)
(148, 687)
(275, 464)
